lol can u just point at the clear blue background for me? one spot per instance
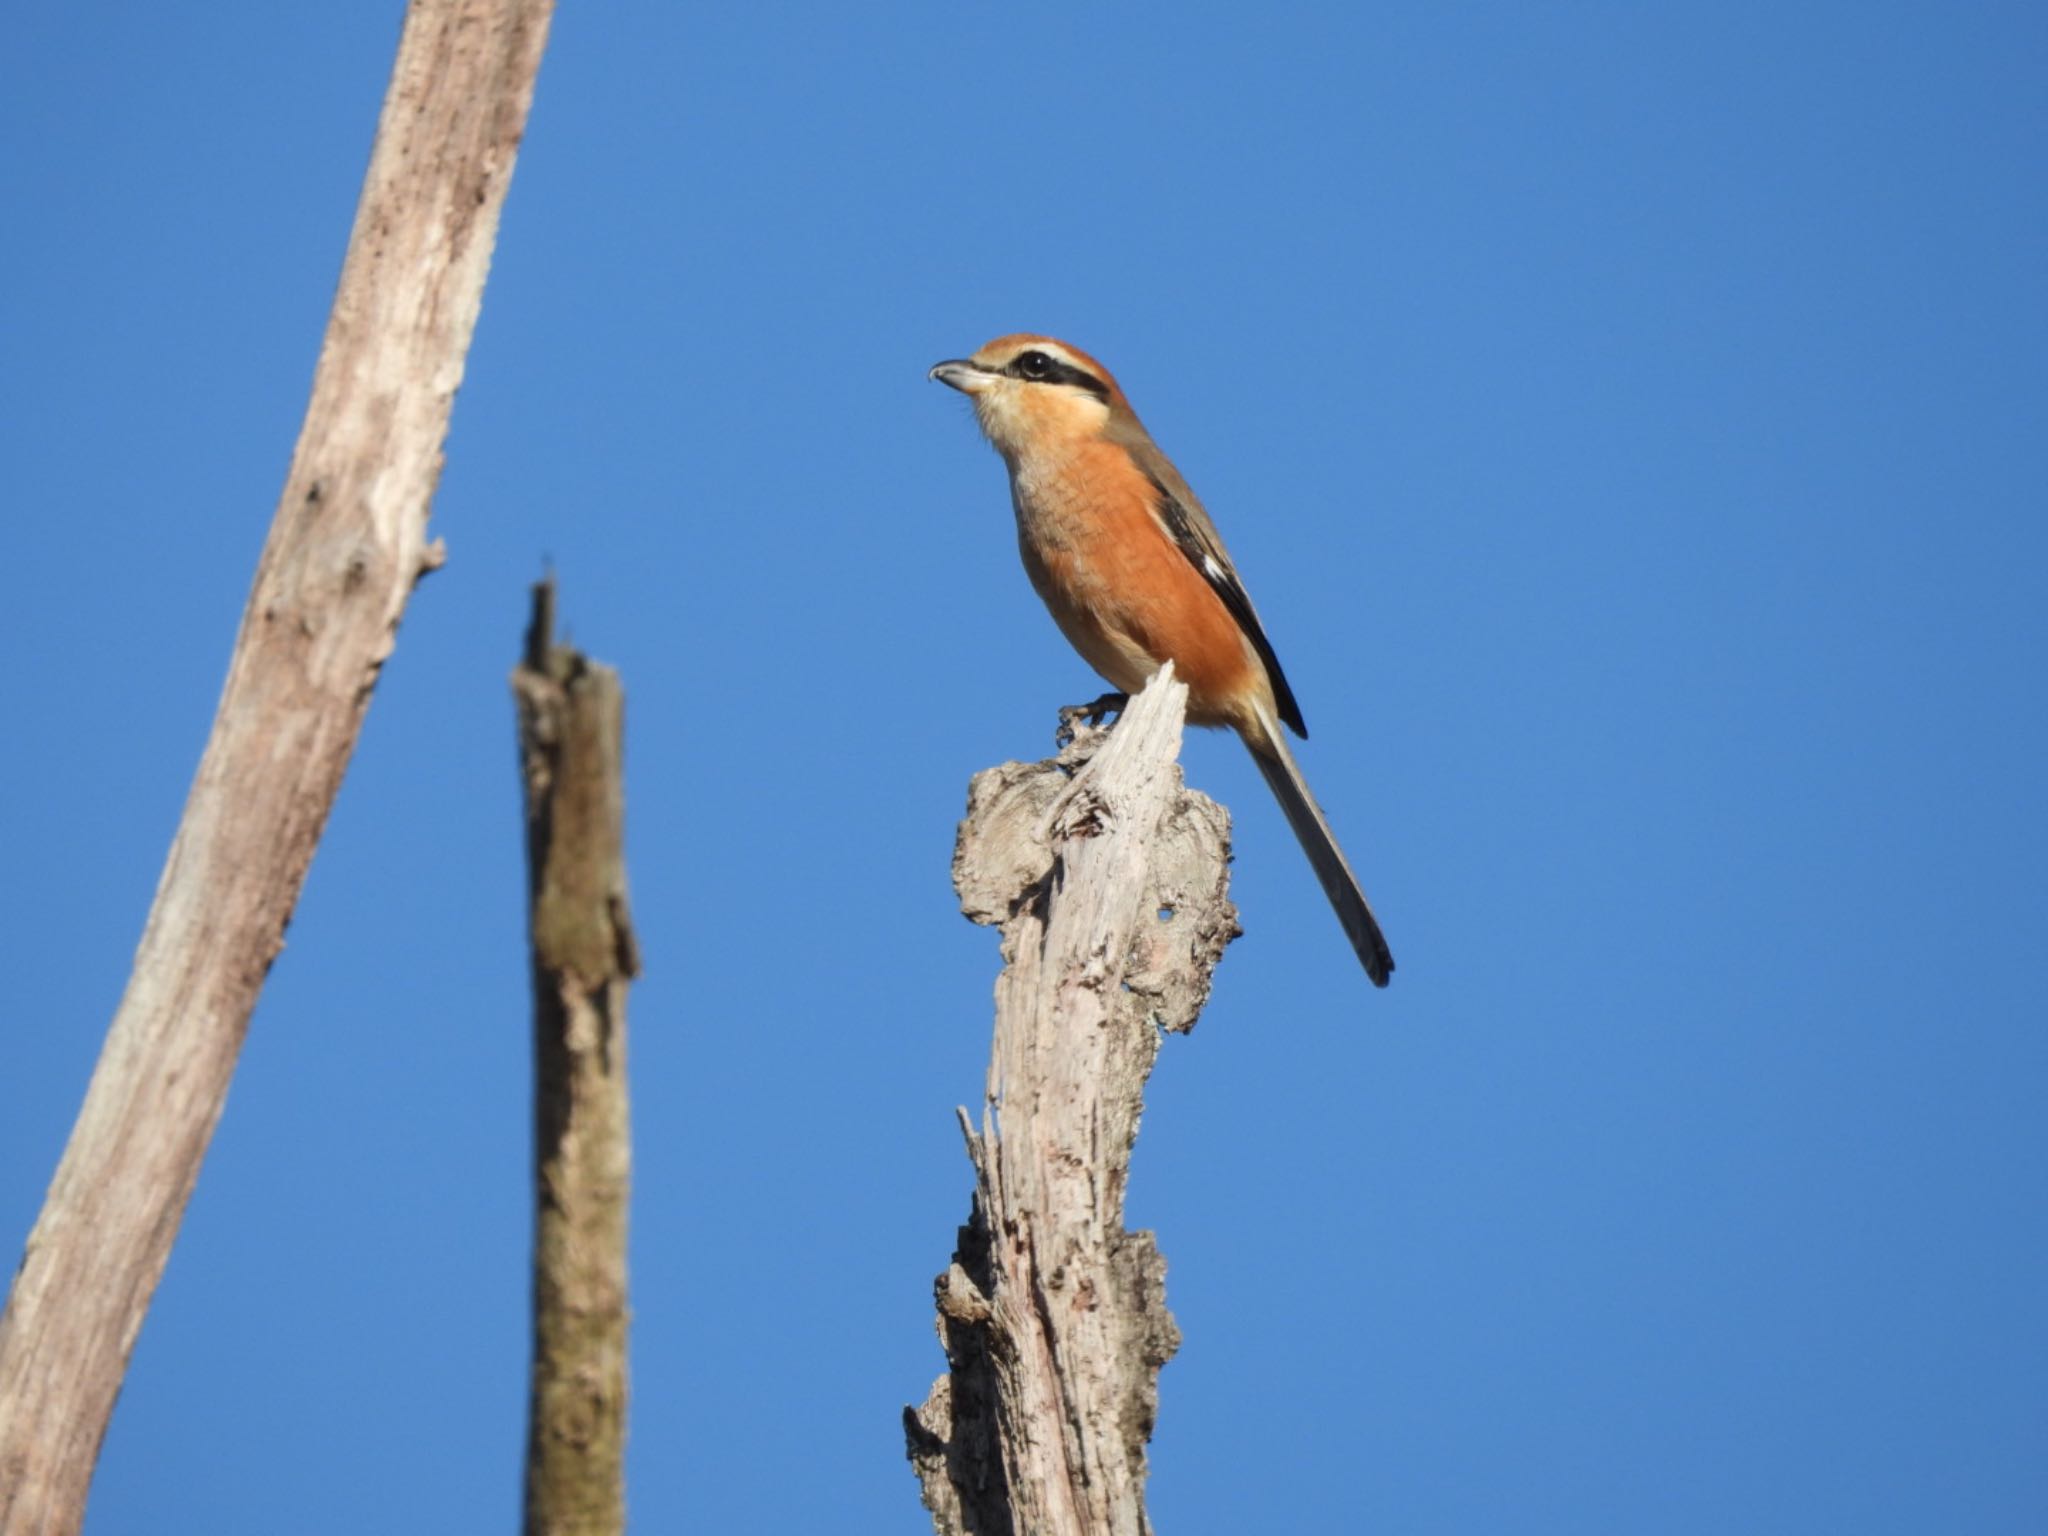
(1631, 422)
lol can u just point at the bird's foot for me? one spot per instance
(1092, 713)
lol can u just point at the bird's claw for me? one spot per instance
(1094, 712)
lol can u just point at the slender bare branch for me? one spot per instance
(345, 549)
(571, 746)
(1108, 880)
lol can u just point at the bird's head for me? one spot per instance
(1035, 393)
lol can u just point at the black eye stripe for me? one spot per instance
(1046, 369)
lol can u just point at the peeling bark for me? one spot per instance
(1108, 880)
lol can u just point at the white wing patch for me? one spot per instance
(1203, 555)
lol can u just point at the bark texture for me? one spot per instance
(571, 740)
(1109, 882)
(346, 546)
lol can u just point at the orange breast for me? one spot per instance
(1122, 591)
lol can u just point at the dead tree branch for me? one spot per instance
(346, 546)
(1108, 880)
(571, 748)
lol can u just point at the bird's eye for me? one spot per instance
(1034, 365)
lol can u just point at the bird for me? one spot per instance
(1136, 575)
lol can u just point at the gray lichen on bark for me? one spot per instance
(1108, 880)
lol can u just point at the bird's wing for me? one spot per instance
(1183, 517)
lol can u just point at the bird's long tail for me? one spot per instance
(1320, 844)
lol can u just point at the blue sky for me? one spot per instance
(1633, 425)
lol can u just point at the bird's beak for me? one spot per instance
(964, 376)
